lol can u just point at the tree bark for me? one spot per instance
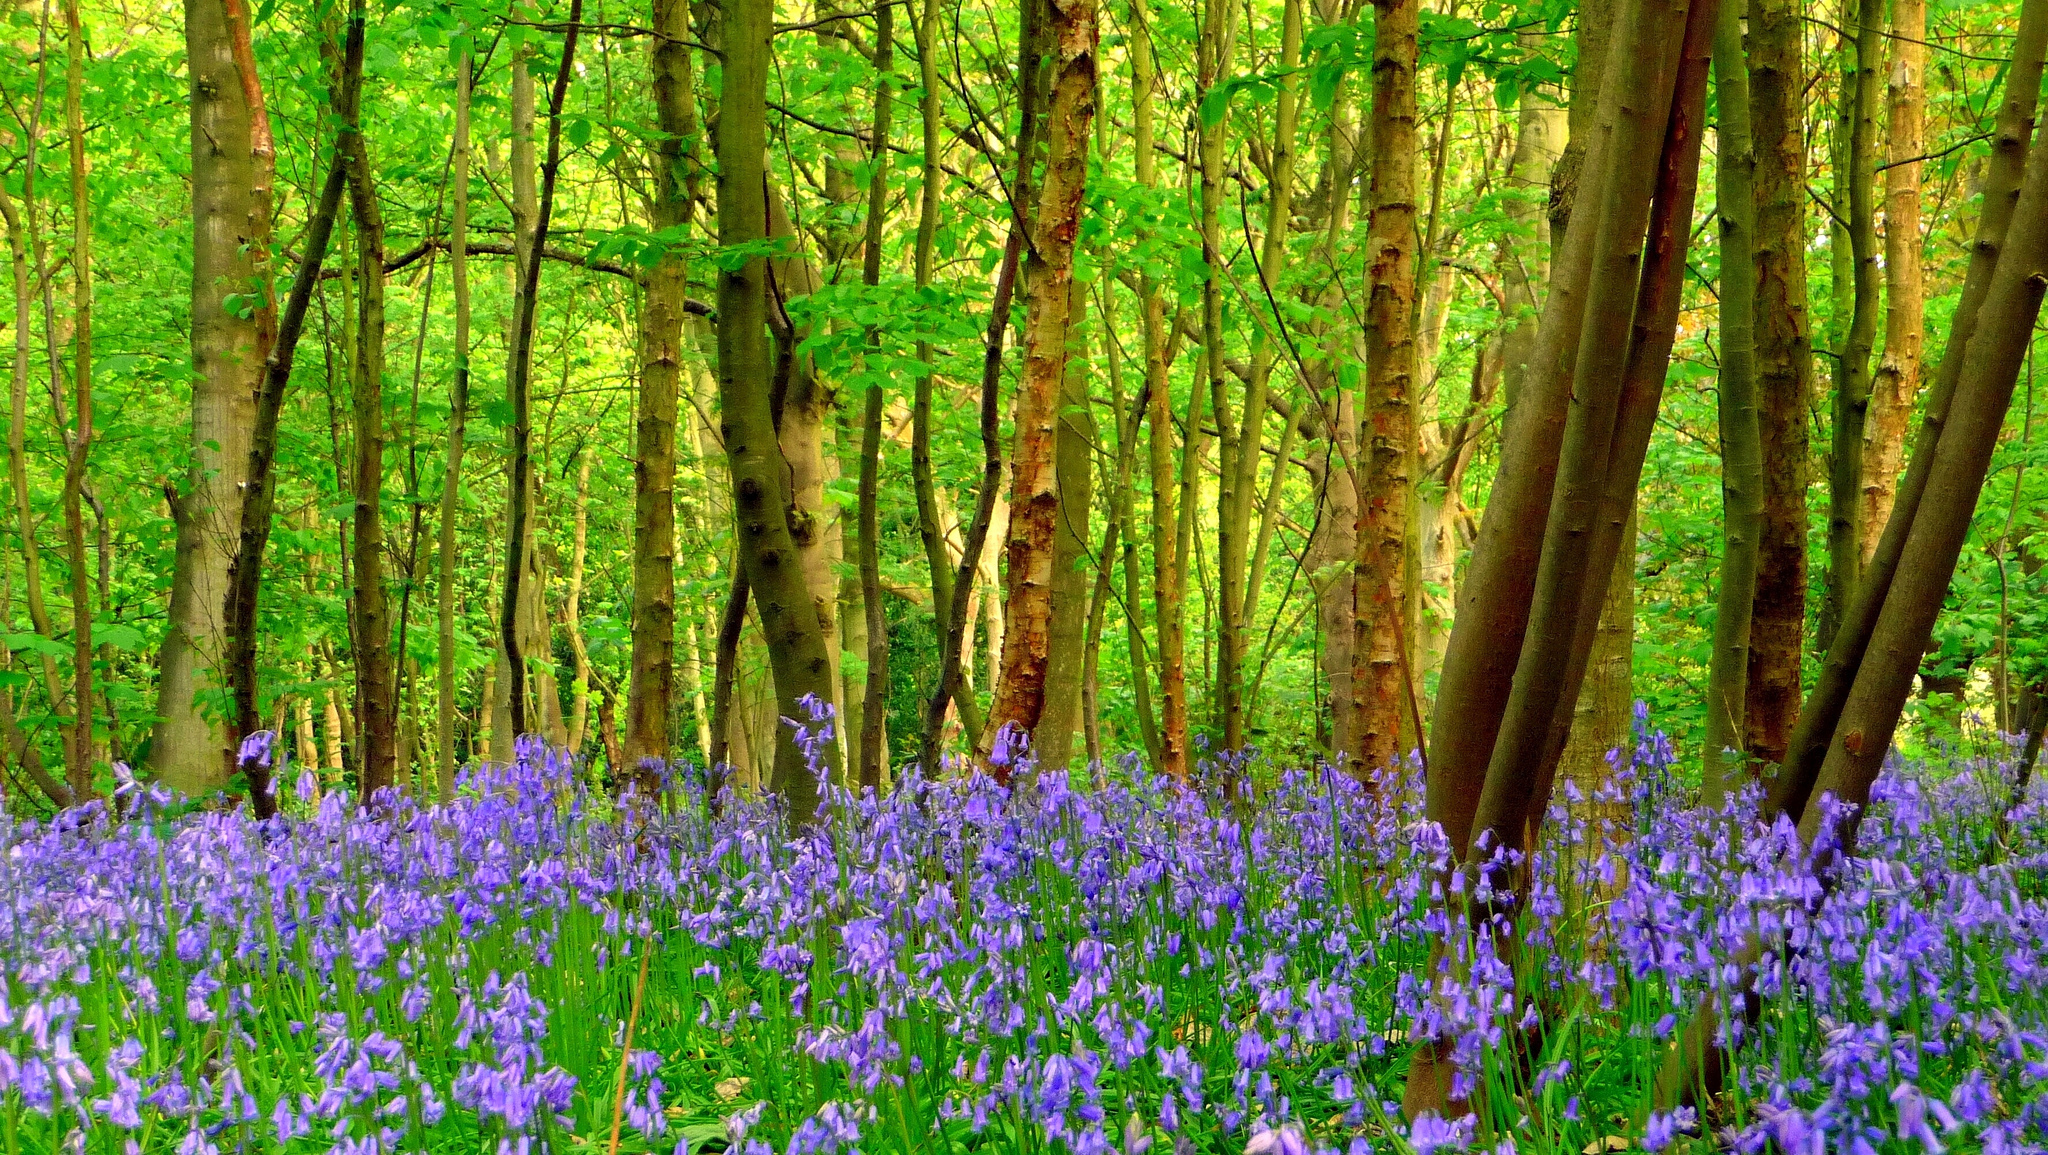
(227, 363)
(1074, 440)
(1897, 381)
(661, 366)
(1940, 519)
(17, 446)
(1852, 377)
(245, 574)
(1741, 449)
(930, 517)
(789, 619)
(1784, 376)
(376, 701)
(78, 766)
(875, 704)
(1794, 784)
(1381, 589)
(519, 481)
(1169, 566)
(458, 428)
(1069, 38)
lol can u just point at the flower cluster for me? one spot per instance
(1118, 965)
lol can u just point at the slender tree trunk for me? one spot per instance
(1169, 566)
(1741, 450)
(875, 706)
(768, 551)
(572, 608)
(227, 363)
(661, 366)
(1784, 375)
(520, 386)
(929, 513)
(1380, 683)
(78, 767)
(1213, 52)
(1074, 439)
(458, 428)
(375, 679)
(1030, 65)
(1852, 391)
(17, 444)
(245, 575)
(1897, 381)
(1069, 37)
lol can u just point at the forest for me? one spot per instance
(1285, 576)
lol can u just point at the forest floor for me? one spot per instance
(1093, 966)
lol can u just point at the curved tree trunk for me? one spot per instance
(768, 550)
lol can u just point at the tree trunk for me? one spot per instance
(1784, 376)
(1741, 451)
(78, 766)
(17, 445)
(768, 551)
(1852, 377)
(1169, 564)
(1381, 590)
(281, 335)
(875, 703)
(1809, 745)
(1897, 381)
(1074, 440)
(661, 366)
(376, 703)
(1069, 38)
(227, 364)
(458, 425)
(572, 608)
(1940, 519)
(519, 384)
(930, 515)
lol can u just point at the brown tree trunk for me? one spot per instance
(1074, 440)
(1897, 381)
(376, 703)
(875, 698)
(1741, 453)
(1070, 34)
(78, 766)
(661, 366)
(245, 574)
(1381, 589)
(1169, 565)
(1784, 376)
(1793, 787)
(458, 418)
(519, 481)
(768, 550)
(227, 364)
(1852, 375)
(1941, 518)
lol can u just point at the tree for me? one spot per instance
(227, 360)
(760, 493)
